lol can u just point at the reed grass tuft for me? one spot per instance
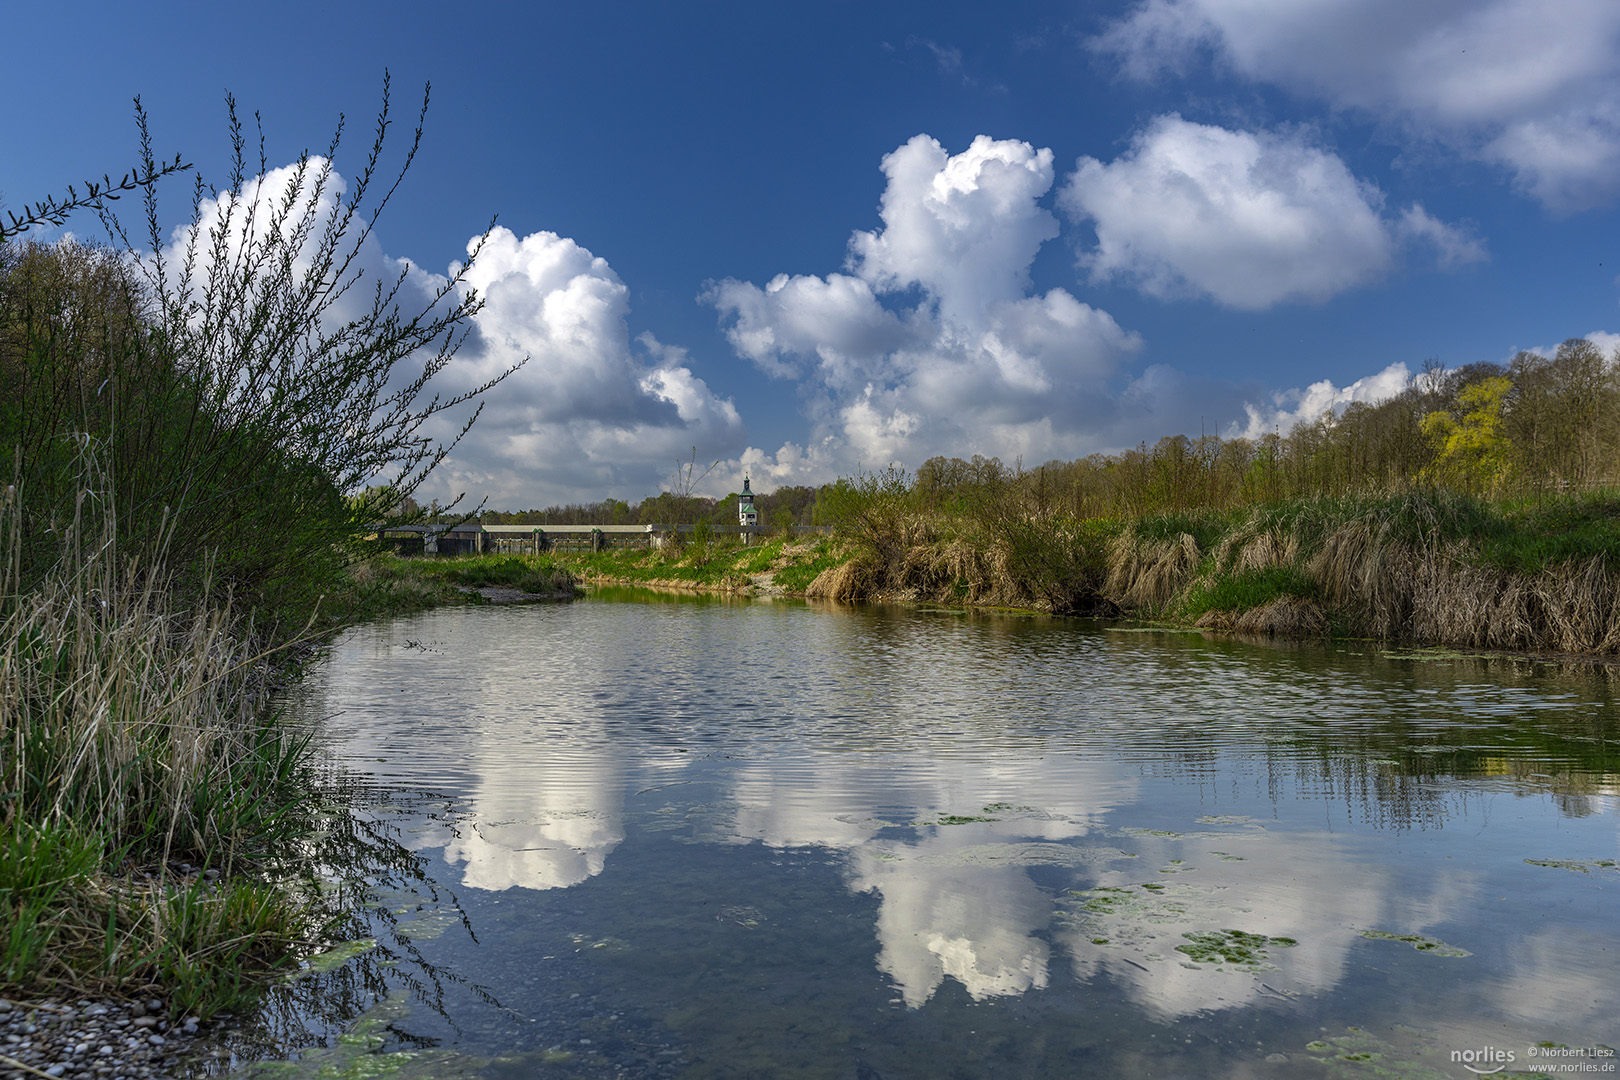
(136, 735)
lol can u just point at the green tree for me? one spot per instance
(1471, 453)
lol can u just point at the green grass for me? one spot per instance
(1248, 590)
(1205, 526)
(1531, 535)
(390, 585)
(803, 568)
(542, 574)
(714, 565)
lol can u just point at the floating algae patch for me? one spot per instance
(1439, 654)
(359, 1055)
(612, 944)
(1104, 900)
(1034, 853)
(743, 915)
(1408, 1054)
(1417, 941)
(1230, 819)
(1579, 866)
(338, 955)
(1231, 947)
(996, 811)
(427, 925)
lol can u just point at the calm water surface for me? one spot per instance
(650, 836)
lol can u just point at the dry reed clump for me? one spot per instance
(1254, 550)
(1567, 607)
(1364, 570)
(853, 580)
(133, 732)
(945, 571)
(117, 711)
(1147, 574)
(1286, 616)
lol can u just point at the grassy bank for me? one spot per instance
(778, 565)
(145, 787)
(388, 585)
(190, 453)
(1426, 566)
(152, 806)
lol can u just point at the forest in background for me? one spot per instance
(1534, 426)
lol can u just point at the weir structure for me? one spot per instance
(472, 538)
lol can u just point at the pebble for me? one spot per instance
(104, 1040)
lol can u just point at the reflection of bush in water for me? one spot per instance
(370, 887)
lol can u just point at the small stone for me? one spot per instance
(155, 1040)
(104, 1050)
(154, 1006)
(145, 1021)
(56, 1070)
(137, 1009)
(210, 874)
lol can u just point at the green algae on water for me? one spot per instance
(338, 955)
(1235, 947)
(1403, 1056)
(1579, 866)
(359, 1055)
(1417, 941)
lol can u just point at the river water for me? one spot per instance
(648, 835)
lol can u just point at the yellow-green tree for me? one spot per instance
(1472, 453)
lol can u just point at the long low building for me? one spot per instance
(470, 537)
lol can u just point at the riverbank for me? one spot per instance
(776, 567)
(1421, 567)
(157, 809)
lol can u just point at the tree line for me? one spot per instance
(1533, 426)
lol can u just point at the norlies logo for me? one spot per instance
(1484, 1056)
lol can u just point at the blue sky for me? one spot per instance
(811, 239)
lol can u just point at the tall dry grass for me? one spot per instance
(134, 735)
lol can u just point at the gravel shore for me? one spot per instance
(93, 1040)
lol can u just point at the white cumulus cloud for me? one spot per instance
(1248, 219)
(931, 340)
(588, 415)
(1528, 85)
(1289, 407)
